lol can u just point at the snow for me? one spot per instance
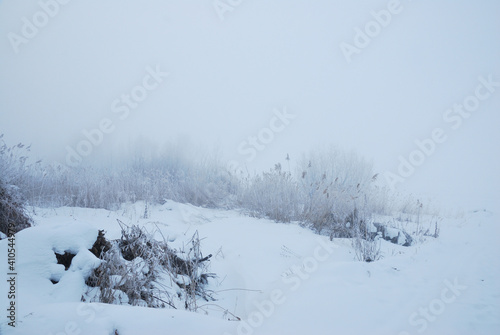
(278, 278)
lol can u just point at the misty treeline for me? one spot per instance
(326, 190)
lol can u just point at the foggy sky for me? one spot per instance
(228, 78)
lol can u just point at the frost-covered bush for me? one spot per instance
(330, 191)
(366, 248)
(334, 184)
(142, 271)
(273, 194)
(13, 217)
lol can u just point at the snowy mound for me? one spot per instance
(38, 266)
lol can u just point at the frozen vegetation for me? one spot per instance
(175, 242)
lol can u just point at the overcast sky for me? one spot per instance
(263, 79)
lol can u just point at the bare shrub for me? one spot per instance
(141, 271)
(13, 216)
(366, 248)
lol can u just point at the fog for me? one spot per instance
(287, 76)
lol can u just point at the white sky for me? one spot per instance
(227, 76)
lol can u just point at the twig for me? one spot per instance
(168, 303)
(225, 310)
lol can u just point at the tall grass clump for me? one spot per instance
(331, 191)
(272, 194)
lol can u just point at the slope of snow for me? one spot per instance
(278, 278)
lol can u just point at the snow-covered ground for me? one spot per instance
(278, 278)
